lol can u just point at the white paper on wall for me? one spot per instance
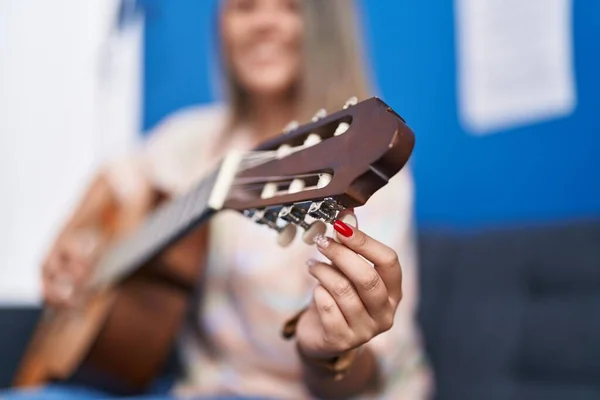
(514, 62)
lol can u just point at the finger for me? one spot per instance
(51, 299)
(345, 296)
(61, 269)
(59, 276)
(81, 251)
(56, 269)
(338, 333)
(51, 266)
(383, 257)
(366, 279)
(349, 218)
(77, 271)
(83, 245)
(59, 292)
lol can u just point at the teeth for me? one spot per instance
(265, 51)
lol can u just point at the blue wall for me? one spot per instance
(538, 173)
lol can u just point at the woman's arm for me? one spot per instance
(389, 363)
(362, 376)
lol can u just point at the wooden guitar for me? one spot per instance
(121, 337)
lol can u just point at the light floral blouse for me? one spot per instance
(253, 286)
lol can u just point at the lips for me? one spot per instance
(264, 53)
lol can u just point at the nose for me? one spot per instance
(265, 17)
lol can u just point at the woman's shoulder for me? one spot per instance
(177, 151)
(192, 123)
(210, 113)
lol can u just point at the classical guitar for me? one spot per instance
(120, 338)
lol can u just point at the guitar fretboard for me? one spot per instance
(167, 224)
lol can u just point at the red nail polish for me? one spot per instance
(342, 228)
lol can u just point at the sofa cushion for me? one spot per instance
(511, 313)
(16, 327)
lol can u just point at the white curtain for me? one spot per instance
(69, 98)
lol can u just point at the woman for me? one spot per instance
(282, 60)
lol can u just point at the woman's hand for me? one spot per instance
(68, 266)
(354, 301)
(75, 252)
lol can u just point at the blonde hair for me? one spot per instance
(333, 69)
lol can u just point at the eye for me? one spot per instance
(291, 5)
(242, 5)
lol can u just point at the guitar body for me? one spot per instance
(61, 341)
(118, 340)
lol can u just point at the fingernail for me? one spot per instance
(310, 262)
(321, 241)
(342, 228)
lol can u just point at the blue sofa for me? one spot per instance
(513, 313)
(506, 314)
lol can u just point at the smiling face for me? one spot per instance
(262, 41)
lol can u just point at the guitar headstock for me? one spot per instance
(317, 169)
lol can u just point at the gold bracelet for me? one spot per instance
(337, 366)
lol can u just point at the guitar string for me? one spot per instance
(250, 159)
(253, 159)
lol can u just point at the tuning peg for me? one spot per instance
(286, 214)
(322, 113)
(316, 228)
(320, 210)
(296, 216)
(352, 101)
(293, 125)
(286, 235)
(257, 216)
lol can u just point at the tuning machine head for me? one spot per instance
(314, 163)
(326, 210)
(296, 215)
(286, 233)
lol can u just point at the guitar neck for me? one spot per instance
(167, 224)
